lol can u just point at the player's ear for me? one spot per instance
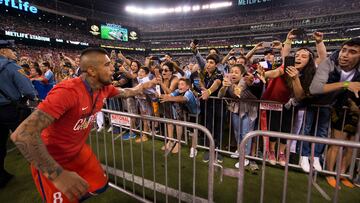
(91, 71)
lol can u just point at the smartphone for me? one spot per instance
(264, 64)
(195, 41)
(299, 32)
(267, 44)
(155, 58)
(157, 88)
(227, 75)
(289, 61)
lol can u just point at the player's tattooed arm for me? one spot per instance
(131, 92)
(27, 139)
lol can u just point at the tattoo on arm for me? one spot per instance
(129, 92)
(27, 139)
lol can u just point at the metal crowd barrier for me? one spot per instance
(259, 149)
(226, 141)
(142, 168)
(240, 173)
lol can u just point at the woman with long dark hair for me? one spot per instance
(287, 82)
(168, 83)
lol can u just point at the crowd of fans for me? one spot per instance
(279, 10)
(290, 12)
(181, 86)
(279, 85)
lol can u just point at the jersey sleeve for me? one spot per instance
(189, 96)
(112, 91)
(175, 93)
(58, 101)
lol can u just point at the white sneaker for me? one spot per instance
(110, 129)
(193, 152)
(246, 162)
(317, 164)
(100, 129)
(236, 155)
(304, 163)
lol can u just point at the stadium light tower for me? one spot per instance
(149, 11)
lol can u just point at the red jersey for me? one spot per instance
(74, 109)
(277, 90)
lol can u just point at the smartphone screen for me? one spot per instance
(289, 61)
(228, 76)
(264, 64)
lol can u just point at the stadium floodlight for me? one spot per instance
(179, 9)
(353, 29)
(206, 6)
(186, 8)
(196, 8)
(220, 5)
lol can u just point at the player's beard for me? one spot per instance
(105, 81)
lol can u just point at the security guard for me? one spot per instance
(13, 87)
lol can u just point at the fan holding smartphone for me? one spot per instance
(289, 67)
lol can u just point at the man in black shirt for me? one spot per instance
(210, 82)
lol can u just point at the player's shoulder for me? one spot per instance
(109, 88)
(74, 83)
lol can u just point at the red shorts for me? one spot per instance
(85, 165)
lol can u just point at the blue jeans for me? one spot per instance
(241, 128)
(321, 131)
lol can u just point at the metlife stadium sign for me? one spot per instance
(19, 5)
(41, 38)
(251, 2)
(27, 36)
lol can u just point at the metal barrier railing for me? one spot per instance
(132, 175)
(220, 123)
(240, 173)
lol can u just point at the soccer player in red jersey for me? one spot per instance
(53, 137)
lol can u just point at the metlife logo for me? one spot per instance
(19, 5)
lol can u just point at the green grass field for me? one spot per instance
(22, 189)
